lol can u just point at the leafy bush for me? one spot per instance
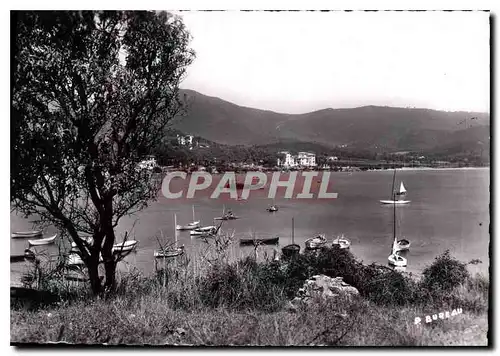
(445, 273)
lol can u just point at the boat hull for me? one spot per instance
(402, 245)
(270, 241)
(397, 202)
(125, 246)
(191, 226)
(315, 243)
(40, 242)
(169, 253)
(290, 250)
(342, 244)
(26, 234)
(397, 261)
(204, 231)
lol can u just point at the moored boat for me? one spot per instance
(396, 260)
(28, 255)
(290, 250)
(260, 241)
(341, 242)
(190, 226)
(45, 241)
(203, 231)
(173, 251)
(124, 246)
(402, 245)
(273, 208)
(396, 202)
(315, 242)
(26, 234)
(166, 253)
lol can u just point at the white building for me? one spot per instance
(302, 159)
(306, 159)
(185, 140)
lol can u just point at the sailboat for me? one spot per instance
(227, 216)
(190, 226)
(402, 191)
(293, 248)
(173, 251)
(394, 258)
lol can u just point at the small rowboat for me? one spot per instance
(191, 226)
(341, 242)
(227, 217)
(28, 255)
(45, 241)
(402, 245)
(125, 246)
(315, 242)
(169, 252)
(290, 250)
(261, 241)
(397, 261)
(397, 202)
(87, 238)
(204, 231)
(26, 234)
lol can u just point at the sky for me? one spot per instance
(297, 62)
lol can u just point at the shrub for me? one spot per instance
(444, 273)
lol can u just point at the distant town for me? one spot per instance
(190, 153)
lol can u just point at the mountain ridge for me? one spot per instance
(371, 127)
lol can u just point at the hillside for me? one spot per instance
(372, 128)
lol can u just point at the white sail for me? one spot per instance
(394, 245)
(402, 188)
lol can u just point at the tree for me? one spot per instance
(91, 92)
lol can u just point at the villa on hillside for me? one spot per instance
(302, 159)
(186, 140)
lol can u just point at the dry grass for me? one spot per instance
(243, 304)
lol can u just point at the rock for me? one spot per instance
(323, 287)
(180, 331)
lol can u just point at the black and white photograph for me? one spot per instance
(250, 178)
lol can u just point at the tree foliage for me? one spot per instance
(92, 91)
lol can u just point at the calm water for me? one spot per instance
(449, 209)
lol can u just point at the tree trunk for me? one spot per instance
(95, 281)
(107, 249)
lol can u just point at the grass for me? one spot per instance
(244, 303)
